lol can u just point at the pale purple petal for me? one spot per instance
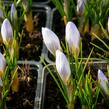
(62, 66)
(81, 6)
(108, 24)
(1, 83)
(51, 40)
(72, 35)
(13, 11)
(103, 82)
(1, 13)
(6, 31)
(2, 63)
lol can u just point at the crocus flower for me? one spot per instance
(6, 32)
(13, 12)
(1, 13)
(103, 82)
(1, 83)
(72, 37)
(108, 25)
(51, 40)
(2, 64)
(62, 66)
(81, 6)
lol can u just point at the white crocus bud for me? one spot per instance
(13, 12)
(81, 6)
(103, 82)
(73, 37)
(1, 14)
(2, 64)
(7, 32)
(108, 25)
(51, 40)
(62, 66)
(1, 83)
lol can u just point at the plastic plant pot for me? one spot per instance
(34, 1)
(52, 97)
(31, 42)
(36, 48)
(30, 93)
(58, 27)
(41, 1)
(56, 18)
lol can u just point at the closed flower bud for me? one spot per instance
(1, 14)
(72, 37)
(81, 6)
(62, 66)
(2, 64)
(6, 32)
(1, 83)
(13, 12)
(51, 40)
(108, 25)
(103, 82)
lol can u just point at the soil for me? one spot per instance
(24, 98)
(53, 97)
(58, 25)
(31, 44)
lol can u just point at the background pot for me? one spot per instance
(58, 27)
(34, 1)
(24, 103)
(31, 45)
(34, 47)
(52, 98)
(41, 1)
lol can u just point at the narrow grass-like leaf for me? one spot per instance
(104, 31)
(101, 40)
(59, 6)
(98, 47)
